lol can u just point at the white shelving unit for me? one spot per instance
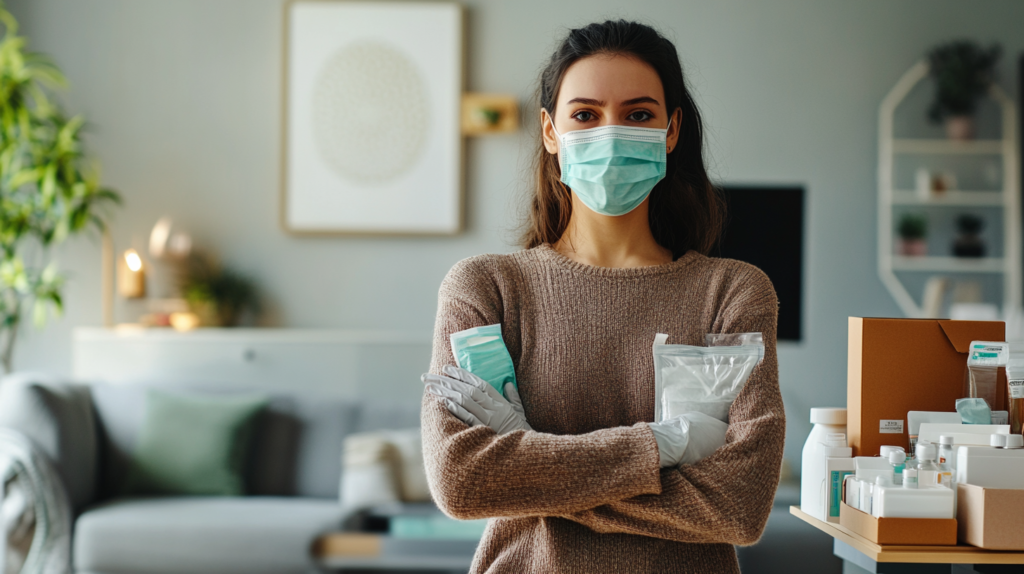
(1009, 265)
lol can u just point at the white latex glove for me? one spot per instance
(688, 438)
(475, 402)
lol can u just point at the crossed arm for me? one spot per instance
(609, 480)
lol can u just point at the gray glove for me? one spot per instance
(688, 438)
(475, 402)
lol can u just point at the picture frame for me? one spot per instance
(371, 108)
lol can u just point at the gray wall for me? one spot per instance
(184, 100)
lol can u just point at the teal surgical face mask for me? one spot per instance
(612, 169)
(482, 351)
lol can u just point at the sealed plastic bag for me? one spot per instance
(981, 379)
(703, 379)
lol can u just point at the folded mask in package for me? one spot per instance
(688, 378)
(482, 351)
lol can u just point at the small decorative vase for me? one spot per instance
(960, 128)
(968, 245)
(913, 247)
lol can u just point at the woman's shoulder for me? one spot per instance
(490, 271)
(489, 264)
(737, 280)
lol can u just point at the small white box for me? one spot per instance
(924, 502)
(990, 467)
(962, 434)
(871, 467)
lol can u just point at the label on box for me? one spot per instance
(835, 495)
(1017, 389)
(889, 426)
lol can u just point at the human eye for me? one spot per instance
(640, 116)
(583, 116)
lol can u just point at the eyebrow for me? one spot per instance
(599, 103)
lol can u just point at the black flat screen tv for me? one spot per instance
(765, 227)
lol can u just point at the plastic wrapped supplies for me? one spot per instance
(703, 379)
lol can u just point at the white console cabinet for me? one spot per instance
(357, 364)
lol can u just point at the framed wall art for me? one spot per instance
(372, 97)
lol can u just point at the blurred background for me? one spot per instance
(183, 108)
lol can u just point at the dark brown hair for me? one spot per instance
(686, 210)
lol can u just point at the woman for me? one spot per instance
(574, 476)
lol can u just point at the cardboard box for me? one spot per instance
(900, 365)
(901, 531)
(990, 518)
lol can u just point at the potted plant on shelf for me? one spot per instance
(220, 297)
(968, 243)
(47, 192)
(963, 73)
(913, 228)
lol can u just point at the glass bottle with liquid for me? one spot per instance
(947, 452)
(1015, 396)
(897, 458)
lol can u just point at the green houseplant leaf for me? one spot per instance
(46, 194)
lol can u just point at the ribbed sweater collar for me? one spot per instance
(545, 252)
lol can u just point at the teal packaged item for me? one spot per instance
(435, 527)
(482, 351)
(612, 169)
(974, 411)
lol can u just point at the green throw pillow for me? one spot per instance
(192, 444)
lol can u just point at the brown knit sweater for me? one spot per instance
(583, 492)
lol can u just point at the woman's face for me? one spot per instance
(606, 90)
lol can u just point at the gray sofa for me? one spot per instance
(292, 479)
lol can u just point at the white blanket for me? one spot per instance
(35, 510)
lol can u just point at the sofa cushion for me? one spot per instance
(193, 443)
(296, 447)
(202, 535)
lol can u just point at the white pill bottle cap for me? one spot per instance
(828, 416)
(884, 450)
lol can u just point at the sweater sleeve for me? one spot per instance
(727, 497)
(474, 473)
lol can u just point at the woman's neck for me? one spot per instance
(606, 241)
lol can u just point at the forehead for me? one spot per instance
(610, 78)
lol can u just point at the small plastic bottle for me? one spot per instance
(852, 484)
(881, 483)
(866, 490)
(897, 459)
(947, 451)
(910, 477)
(927, 469)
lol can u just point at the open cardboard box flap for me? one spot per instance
(960, 334)
(901, 365)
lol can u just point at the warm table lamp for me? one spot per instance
(131, 277)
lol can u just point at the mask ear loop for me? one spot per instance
(558, 136)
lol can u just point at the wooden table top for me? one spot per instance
(959, 554)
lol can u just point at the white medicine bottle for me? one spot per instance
(927, 469)
(947, 452)
(826, 421)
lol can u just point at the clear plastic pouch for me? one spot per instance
(981, 379)
(703, 379)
